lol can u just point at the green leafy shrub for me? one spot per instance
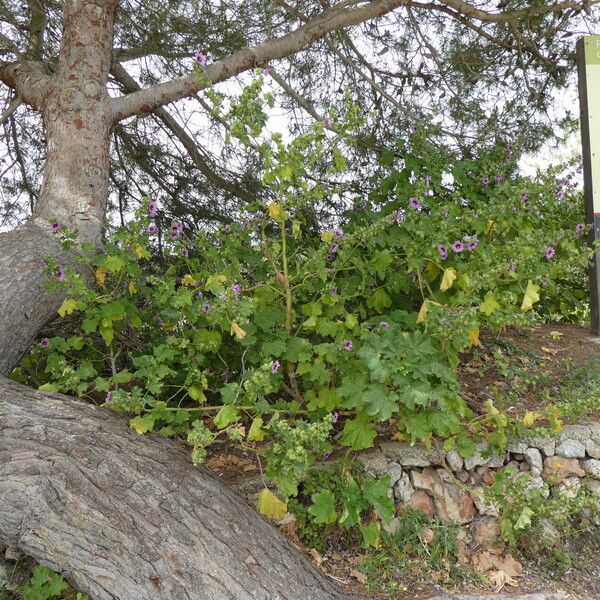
(292, 339)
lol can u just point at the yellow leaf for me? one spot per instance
(142, 425)
(101, 276)
(432, 269)
(555, 335)
(67, 307)
(422, 313)
(215, 279)
(489, 304)
(255, 433)
(188, 280)
(531, 296)
(490, 226)
(327, 236)
(275, 211)
(448, 279)
(140, 251)
(237, 331)
(132, 287)
(489, 408)
(270, 505)
(474, 337)
(529, 418)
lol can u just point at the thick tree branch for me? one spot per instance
(338, 17)
(28, 79)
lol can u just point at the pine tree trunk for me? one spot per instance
(127, 517)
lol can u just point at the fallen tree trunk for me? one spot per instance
(127, 517)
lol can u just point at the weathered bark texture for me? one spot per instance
(25, 306)
(127, 517)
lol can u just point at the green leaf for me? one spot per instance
(379, 301)
(358, 433)
(323, 507)
(524, 519)
(142, 424)
(489, 304)
(43, 585)
(197, 393)
(375, 492)
(227, 415)
(371, 535)
(381, 402)
(122, 377)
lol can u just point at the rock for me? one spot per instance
(464, 477)
(595, 432)
(454, 460)
(569, 487)
(524, 467)
(394, 470)
(547, 445)
(403, 489)
(571, 449)
(411, 456)
(557, 469)
(593, 485)
(592, 448)
(374, 462)
(485, 532)
(421, 501)
(578, 433)
(548, 535)
(488, 476)
(533, 458)
(513, 464)
(484, 508)
(537, 483)
(477, 460)
(535, 596)
(592, 467)
(452, 503)
(517, 447)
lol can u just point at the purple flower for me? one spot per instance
(525, 198)
(153, 209)
(414, 203)
(275, 366)
(498, 178)
(334, 248)
(339, 233)
(472, 245)
(348, 345)
(176, 230)
(580, 229)
(200, 58)
(61, 274)
(383, 324)
(152, 228)
(129, 249)
(55, 227)
(549, 252)
(206, 308)
(443, 251)
(108, 397)
(458, 246)
(485, 181)
(334, 417)
(511, 266)
(44, 343)
(400, 216)
(236, 289)
(266, 72)
(330, 257)
(326, 455)
(333, 291)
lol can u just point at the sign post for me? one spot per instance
(588, 68)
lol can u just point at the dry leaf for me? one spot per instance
(316, 557)
(499, 579)
(360, 577)
(550, 351)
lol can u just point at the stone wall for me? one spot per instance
(451, 488)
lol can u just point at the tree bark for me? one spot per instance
(127, 517)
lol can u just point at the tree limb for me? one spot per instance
(330, 20)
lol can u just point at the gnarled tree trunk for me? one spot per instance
(127, 517)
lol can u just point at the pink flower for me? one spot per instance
(275, 366)
(200, 58)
